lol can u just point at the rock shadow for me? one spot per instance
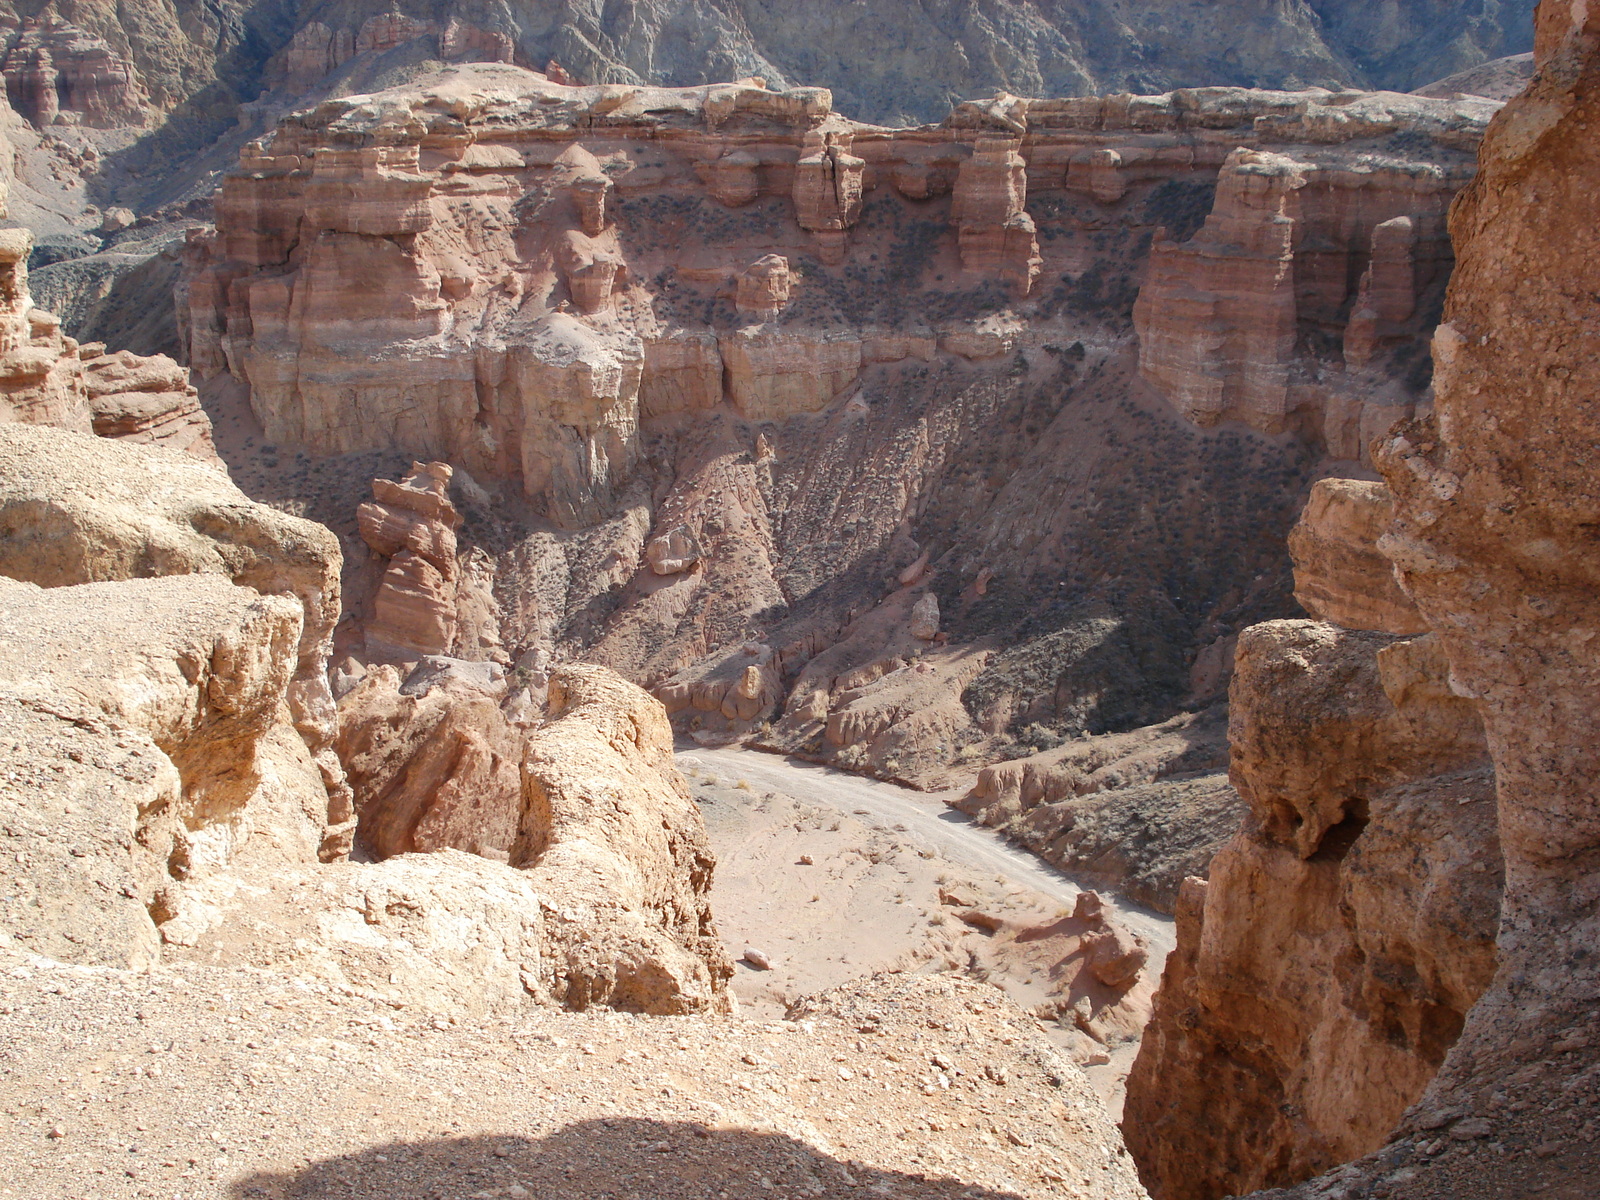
(624, 1158)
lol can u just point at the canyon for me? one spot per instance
(582, 626)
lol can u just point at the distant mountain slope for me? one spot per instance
(888, 61)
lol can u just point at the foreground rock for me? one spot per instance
(79, 509)
(150, 745)
(1369, 857)
(609, 832)
(1494, 507)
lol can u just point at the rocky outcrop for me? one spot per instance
(588, 809)
(1493, 503)
(58, 74)
(764, 288)
(47, 378)
(1254, 318)
(151, 744)
(1340, 576)
(996, 234)
(1368, 857)
(412, 524)
(509, 320)
(432, 767)
(609, 828)
(146, 399)
(79, 509)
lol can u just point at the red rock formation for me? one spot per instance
(1225, 319)
(57, 73)
(413, 524)
(430, 770)
(827, 189)
(1339, 575)
(1329, 964)
(146, 399)
(995, 232)
(764, 288)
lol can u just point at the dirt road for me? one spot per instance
(917, 818)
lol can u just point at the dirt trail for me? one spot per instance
(926, 819)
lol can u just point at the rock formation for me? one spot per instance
(152, 718)
(47, 378)
(1254, 318)
(164, 687)
(820, 352)
(608, 826)
(412, 524)
(1492, 507)
(996, 233)
(1340, 577)
(431, 767)
(76, 509)
(58, 74)
(1368, 857)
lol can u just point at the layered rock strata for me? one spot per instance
(1327, 967)
(1305, 299)
(58, 74)
(47, 378)
(412, 525)
(479, 208)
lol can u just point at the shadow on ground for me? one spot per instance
(612, 1159)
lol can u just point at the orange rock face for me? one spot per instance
(1494, 503)
(1339, 575)
(1328, 965)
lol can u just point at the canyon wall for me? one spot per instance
(1490, 537)
(1328, 964)
(1484, 531)
(754, 403)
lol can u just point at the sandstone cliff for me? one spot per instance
(1329, 964)
(1490, 539)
